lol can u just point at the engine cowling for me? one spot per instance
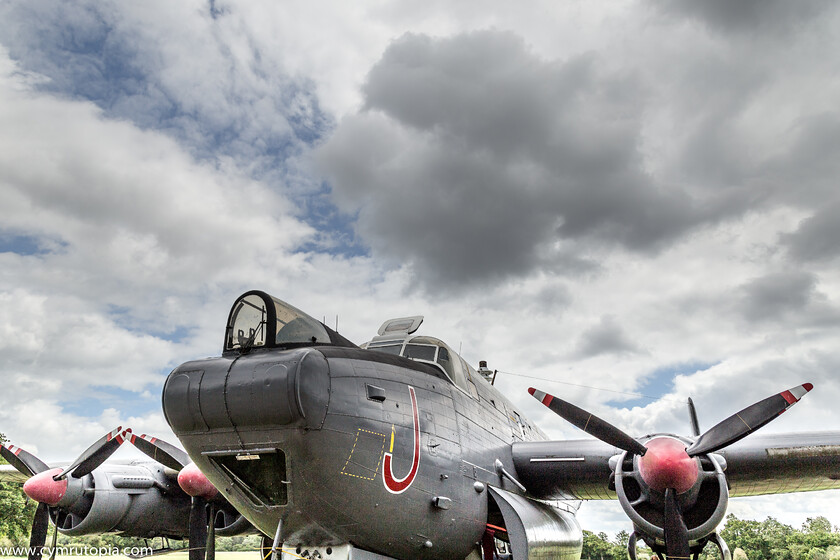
(702, 493)
(131, 499)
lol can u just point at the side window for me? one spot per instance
(445, 362)
(455, 370)
(519, 423)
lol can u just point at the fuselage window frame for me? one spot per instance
(458, 370)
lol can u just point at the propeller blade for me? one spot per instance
(40, 527)
(25, 462)
(54, 542)
(743, 423)
(211, 532)
(676, 533)
(589, 423)
(94, 455)
(198, 528)
(164, 453)
(692, 413)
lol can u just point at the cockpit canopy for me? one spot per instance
(258, 320)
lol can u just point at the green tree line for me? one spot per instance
(754, 540)
(16, 510)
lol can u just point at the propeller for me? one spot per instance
(30, 465)
(38, 535)
(589, 423)
(692, 414)
(24, 462)
(665, 464)
(164, 453)
(202, 528)
(54, 488)
(198, 528)
(676, 533)
(59, 487)
(54, 542)
(95, 455)
(49, 486)
(743, 423)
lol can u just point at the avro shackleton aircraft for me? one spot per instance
(398, 449)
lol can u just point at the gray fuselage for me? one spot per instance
(304, 434)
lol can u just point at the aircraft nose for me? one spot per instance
(43, 489)
(194, 483)
(289, 388)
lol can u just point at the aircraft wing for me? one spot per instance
(9, 474)
(759, 464)
(783, 463)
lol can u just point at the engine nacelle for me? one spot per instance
(703, 505)
(137, 500)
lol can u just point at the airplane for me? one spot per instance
(399, 450)
(166, 496)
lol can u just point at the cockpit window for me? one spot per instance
(435, 351)
(247, 323)
(387, 348)
(420, 352)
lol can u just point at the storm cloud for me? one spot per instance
(476, 159)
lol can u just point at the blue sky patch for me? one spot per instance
(123, 317)
(658, 383)
(25, 245)
(337, 227)
(129, 403)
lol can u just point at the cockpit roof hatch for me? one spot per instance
(400, 327)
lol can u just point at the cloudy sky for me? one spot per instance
(622, 203)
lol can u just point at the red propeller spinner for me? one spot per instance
(194, 483)
(667, 465)
(44, 489)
